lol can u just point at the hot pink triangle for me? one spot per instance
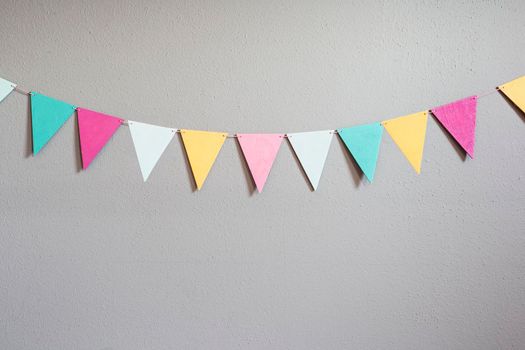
(95, 130)
(459, 118)
(259, 151)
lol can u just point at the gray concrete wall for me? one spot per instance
(99, 260)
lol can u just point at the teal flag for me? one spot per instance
(363, 143)
(47, 116)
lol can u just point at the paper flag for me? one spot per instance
(5, 88)
(150, 141)
(312, 148)
(95, 129)
(259, 151)
(515, 91)
(408, 133)
(202, 148)
(47, 116)
(459, 118)
(363, 143)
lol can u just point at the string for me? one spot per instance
(17, 89)
(233, 136)
(489, 92)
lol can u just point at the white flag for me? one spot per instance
(5, 88)
(312, 148)
(150, 141)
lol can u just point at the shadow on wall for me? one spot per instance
(457, 147)
(355, 170)
(76, 149)
(187, 163)
(245, 169)
(516, 109)
(29, 133)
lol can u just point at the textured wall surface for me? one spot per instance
(99, 260)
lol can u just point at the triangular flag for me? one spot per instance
(459, 118)
(47, 116)
(363, 142)
(5, 88)
(95, 129)
(202, 148)
(259, 151)
(150, 141)
(408, 133)
(515, 91)
(311, 149)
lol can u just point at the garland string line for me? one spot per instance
(232, 136)
(311, 148)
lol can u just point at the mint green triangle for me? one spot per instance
(363, 142)
(47, 116)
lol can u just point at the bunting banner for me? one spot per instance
(149, 141)
(515, 91)
(459, 118)
(47, 116)
(6, 87)
(94, 129)
(260, 151)
(202, 148)
(363, 142)
(408, 133)
(311, 148)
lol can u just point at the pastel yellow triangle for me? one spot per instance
(202, 148)
(408, 133)
(515, 91)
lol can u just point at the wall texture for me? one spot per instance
(99, 260)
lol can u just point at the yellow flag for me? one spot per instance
(515, 91)
(408, 133)
(202, 148)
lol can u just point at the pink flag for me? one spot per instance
(459, 118)
(259, 151)
(95, 130)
